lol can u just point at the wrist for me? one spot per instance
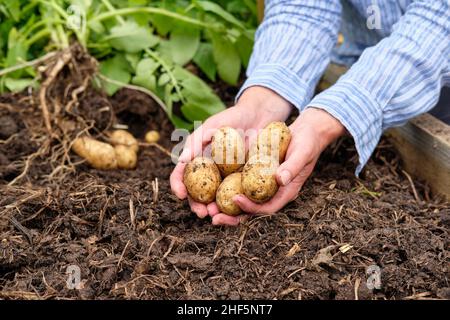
(326, 127)
(265, 102)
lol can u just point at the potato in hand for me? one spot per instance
(230, 187)
(202, 178)
(258, 178)
(272, 141)
(228, 150)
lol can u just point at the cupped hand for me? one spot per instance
(311, 133)
(257, 107)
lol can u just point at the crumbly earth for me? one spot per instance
(132, 239)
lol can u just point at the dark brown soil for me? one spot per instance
(134, 240)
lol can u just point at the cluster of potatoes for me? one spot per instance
(256, 178)
(120, 153)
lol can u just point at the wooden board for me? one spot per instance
(423, 143)
(424, 146)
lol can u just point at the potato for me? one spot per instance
(126, 157)
(152, 136)
(98, 154)
(229, 187)
(123, 137)
(228, 150)
(202, 178)
(258, 178)
(273, 141)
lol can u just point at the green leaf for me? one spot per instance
(148, 82)
(17, 85)
(244, 47)
(146, 66)
(131, 37)
(197, 92)
(97, 27)
(17, 53)
(227, 59)
(180, 123)
(162, 24)
(194, 112)
(165, 50)
(116, 68)
(218, 10)
(163, 79)
(184, 41)
(145, 77)
(205, 61)
(133, 59)
(13, 7)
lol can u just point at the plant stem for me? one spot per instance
(110, 8)
(163, 12)
(38, 36)
(168, 71)
(27, 64)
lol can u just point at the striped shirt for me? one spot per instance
(398, 50)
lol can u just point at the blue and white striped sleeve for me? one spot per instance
(293, 47)
(397, 79)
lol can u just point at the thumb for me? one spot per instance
(295, 162)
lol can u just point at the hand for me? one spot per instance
(311, 133)
(257, 107)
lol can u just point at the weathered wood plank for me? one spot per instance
(424, 146)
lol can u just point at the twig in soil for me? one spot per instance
(155, 187)
(22, 229)
(413, 187)
(27, 64)
(296, 271)
(172, 243)
(24, 295)
(418, 296)
(132, 214)
(59, 65)
(357, 283)
(151, 245)
(123, 253)
(21, 201)
(102, 217)
(241, 240)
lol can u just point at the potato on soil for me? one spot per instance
(228, 150)
(152, 136)
(273, 140)
(126, 157)
(258, 178)
(229, 187)
(123, 137)
(98, 154)
(202, 178)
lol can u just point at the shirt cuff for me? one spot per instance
(358, 112)
(281, 80)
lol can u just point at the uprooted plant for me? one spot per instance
(148, 45)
